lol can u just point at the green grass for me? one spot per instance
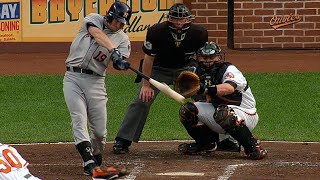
(32, 108)
(288, 105)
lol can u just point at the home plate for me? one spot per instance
(180, 174)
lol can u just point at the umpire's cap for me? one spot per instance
(119, 11)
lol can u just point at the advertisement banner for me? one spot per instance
(10, 21)
(59, 20)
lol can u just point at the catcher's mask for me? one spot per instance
(119, 11)
(179, 21)
(209, 54)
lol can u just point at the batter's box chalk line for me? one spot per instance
(133, 173)
(230, 169)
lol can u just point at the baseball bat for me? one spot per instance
(162, 87)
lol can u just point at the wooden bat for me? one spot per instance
(162, 87)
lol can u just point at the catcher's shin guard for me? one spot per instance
(252, 146)
(227, 119)
(188, 114)
(202, 134)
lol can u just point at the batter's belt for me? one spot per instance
(80, 70)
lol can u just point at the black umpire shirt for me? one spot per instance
(160, 44)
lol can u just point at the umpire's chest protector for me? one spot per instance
(172, 54)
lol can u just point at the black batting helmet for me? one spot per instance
(119, 11)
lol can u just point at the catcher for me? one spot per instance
(223, 104)
(12, 165)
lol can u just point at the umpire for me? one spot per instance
(168, 48)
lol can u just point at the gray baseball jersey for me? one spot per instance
(87, 54)
(85, 94)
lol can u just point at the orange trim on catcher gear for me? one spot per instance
(250, 114)
(239, 122)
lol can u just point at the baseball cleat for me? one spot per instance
(228, 146)
(194, 148)
(108, 173)
(98, 159)
(87, 170)
(120, 148)
(258, 154)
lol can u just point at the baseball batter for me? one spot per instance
(229, 106)
(12, 165)
(99, 40)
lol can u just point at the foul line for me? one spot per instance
(138, 166)
(230, 169)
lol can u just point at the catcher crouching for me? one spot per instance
(223, 104)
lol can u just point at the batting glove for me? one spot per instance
(116, 55)
(121, 65)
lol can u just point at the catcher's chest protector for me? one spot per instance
(214, 76)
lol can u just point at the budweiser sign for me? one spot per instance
(277, 22)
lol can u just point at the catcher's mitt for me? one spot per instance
(187, 84)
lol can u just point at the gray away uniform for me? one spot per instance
(84, 82)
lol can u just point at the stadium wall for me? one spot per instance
(260, 24)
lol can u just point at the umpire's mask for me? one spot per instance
(179, 21)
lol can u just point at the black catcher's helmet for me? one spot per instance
(206, 56)
(209, 49)
(177, 12)
(119, 11)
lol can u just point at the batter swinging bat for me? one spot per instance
(162, 87)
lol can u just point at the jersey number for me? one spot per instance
(12, 160)
(208, 81)
(100, 57)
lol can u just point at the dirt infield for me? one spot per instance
(161, 160)
(157, 160)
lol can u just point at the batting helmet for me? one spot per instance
(177, 12)
(119, 11)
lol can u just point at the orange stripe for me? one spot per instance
(250, 114)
